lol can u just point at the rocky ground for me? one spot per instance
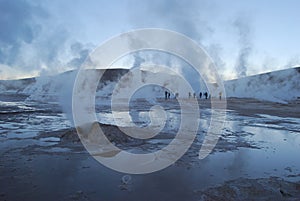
(55, 165)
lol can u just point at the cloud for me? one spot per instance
(191, 18)
(31, 40)
(80, 53)
(187, 17)
(6, 72)
(214, 51)
(293, 61)
(18, 26)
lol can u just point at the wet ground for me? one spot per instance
(256, 158)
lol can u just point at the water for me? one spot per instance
(251, 146)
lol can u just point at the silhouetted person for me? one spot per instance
(190, 94)
(220, 95)
(166, 95)
(194, 94)
(169, 94)
(200, 95)
(206, 95)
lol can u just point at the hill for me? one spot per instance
(277, 86)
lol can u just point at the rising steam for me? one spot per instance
(245, 45)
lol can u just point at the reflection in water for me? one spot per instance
(250, 147)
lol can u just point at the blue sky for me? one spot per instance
(44, 37)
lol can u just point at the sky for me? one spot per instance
(245, 37)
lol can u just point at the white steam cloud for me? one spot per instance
(242, 24)
(31, 42)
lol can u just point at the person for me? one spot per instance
(169, 95)
(166, 95)
(194, 94)
(200, 95)
(220, 95)
(190, 94)
(206, 95)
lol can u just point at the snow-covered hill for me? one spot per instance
(276, 86)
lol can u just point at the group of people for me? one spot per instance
(205, 95)
(167, 95)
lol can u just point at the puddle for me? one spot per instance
(277, 152)
(50, 139)
(58, 149)
(22, 135)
